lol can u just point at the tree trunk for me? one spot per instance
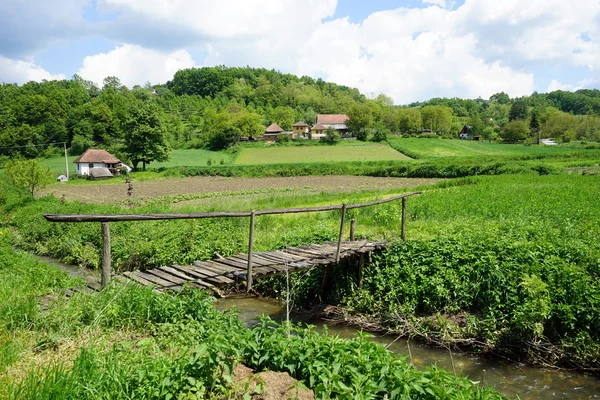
(144, 165)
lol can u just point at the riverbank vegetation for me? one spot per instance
(130, 342)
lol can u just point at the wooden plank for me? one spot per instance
(219, 267)
(254, 260)
(212, 272)
(193, 271)
(153, 278)
(234, 264)
(166, 276)
(96, 286)
(176, 273)
(135, 277)
(286, 256)
(305, 253)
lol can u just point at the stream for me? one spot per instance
(509, 378)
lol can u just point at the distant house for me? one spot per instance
(273, 131)
(336, 121)
(466, 132)
(93, 160)
(318, 131)
(300, 128)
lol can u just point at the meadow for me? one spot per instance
(421, 148)
(315, 154)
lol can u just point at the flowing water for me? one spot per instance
(509, 378)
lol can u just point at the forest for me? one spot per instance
(214, 107)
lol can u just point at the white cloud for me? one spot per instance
(556, 85)
(134, 64)
(19, 71)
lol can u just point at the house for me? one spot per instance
(273, 131)
(336, 121)
(94, 159)
(300, 128)
(466, 132)
(317, 131)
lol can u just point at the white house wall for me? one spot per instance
(84, 169)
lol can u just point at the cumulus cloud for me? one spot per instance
(134, 64)
(19, 71)
(481, 47)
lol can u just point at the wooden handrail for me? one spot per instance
(106, 218)
(215, 214)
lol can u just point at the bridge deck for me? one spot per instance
(231, 270)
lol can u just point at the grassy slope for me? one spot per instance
(440, 148)
(311, 154)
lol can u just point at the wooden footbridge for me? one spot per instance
(248, 267)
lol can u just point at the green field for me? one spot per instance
(194, 158)
(439, 148)
(311, 154)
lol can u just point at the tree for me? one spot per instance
(409, 120)
(360, 122)
(518, 110)
(439, 118)
(515, 130)
(145, 138)
(500, 98)
(534, 125)
(380, 132)
(28, 174)
(331, 135)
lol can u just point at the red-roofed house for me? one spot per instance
(92, 161)
(336, 121)
(318, 129)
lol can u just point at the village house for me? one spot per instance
(466, 132)
(300, 128)
(336, 121)
(318, 131)
(97, 164)
(273, 131)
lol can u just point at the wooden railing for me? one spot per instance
(105, 219)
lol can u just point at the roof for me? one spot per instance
(96, 156)
(300, 124)
(319, 127)
(331, 119)
(273, 128)
(100, 173)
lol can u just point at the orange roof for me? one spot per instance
(273, 128)
(331, 119)
(319, 127)
(300, 124)
(96, 156)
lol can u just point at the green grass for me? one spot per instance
(440, 148)
(193, 158)
(314, 154)
(57, 165)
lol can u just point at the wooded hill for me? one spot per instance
(212, 107)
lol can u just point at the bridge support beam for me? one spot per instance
(250, 248)
(106, 257)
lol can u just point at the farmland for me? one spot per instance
(441, 148)
(312, 154)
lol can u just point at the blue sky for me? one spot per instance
(409, 49)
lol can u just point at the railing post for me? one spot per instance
(105, 278)
(250, 246)
(340, 237)
(352, 227)
(403, 232)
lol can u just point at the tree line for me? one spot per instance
(214, 107)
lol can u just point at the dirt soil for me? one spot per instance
(108, 193)
(268, 385)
